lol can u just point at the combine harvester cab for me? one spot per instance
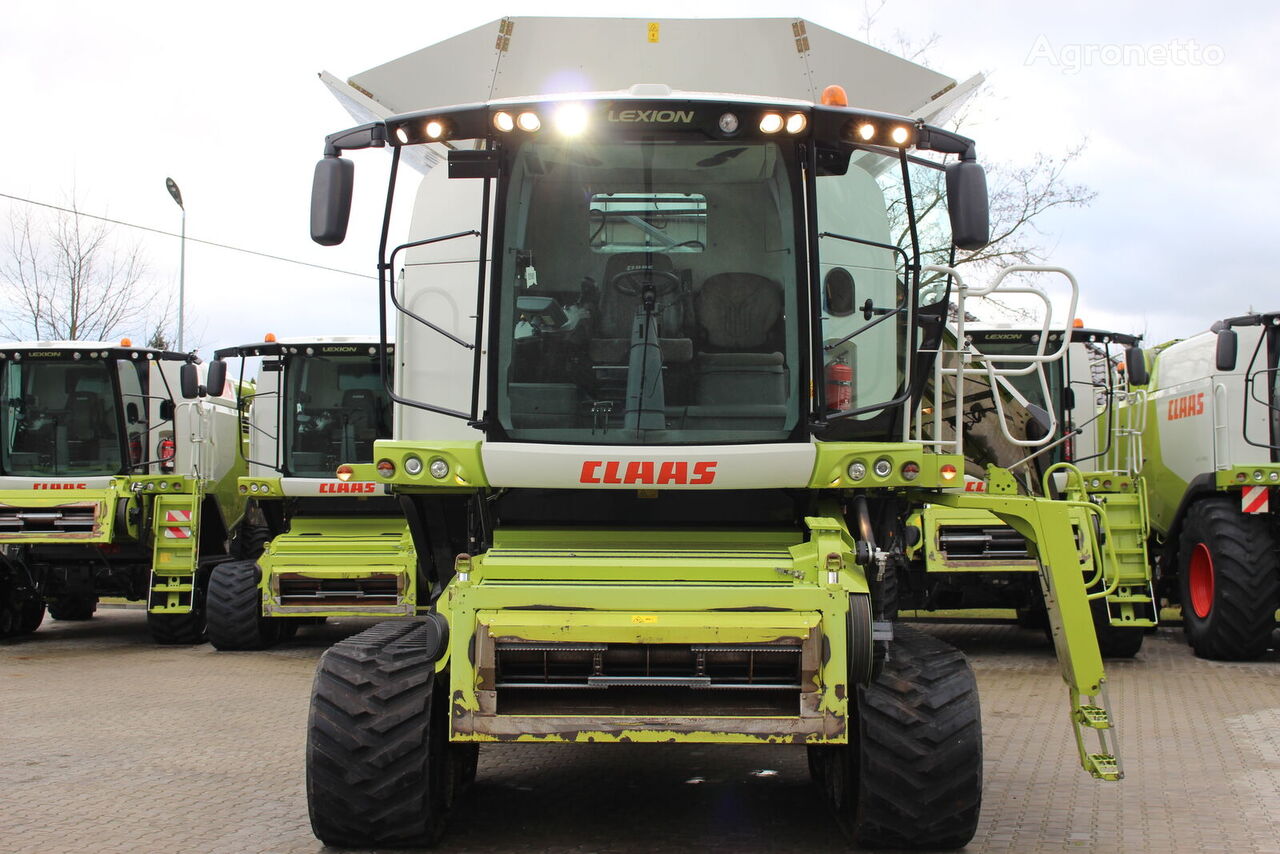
(660, 361)
(117, 478)
(1212, 448)
(338, 547)
(1066, 432)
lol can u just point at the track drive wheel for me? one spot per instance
(1114, 641)
(74, 608)
(234, 607)
(911, 775)
(1229, 575)
(379, 765)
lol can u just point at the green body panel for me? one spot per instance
(104, 502)
(656, 587)
(333, 549)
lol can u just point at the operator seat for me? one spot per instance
(85, 423)
(611, 343)
(739, 362)
(360, 412)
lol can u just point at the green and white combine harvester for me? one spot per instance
(1066, 432)
(338, 548)
(118, 469)
(660, 368)
(1211, 440)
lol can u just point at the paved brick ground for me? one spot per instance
(108, 743)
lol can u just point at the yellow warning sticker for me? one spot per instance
(164, 557)
(644, 618)
(653, 32)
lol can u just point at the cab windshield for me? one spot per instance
(335, 407)
(61, 417)
(648, 293)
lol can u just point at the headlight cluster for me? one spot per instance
(1258, 476)
(882, 468)
(156, 485)
(255, 487)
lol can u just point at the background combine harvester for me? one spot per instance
(656, 523)
(1212, 464)
(1066, 432)
(338, 547)
(111, 484)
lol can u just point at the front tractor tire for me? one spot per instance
(234, 608)
(911, 775)
(1229, 576)
(380, 769)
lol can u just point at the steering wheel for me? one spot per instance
(632, 282)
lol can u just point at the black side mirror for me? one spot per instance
(1068, 398)
(216, 379)
(167, 410)
(1226, 355)
(967, 204)
(189, 381)
(1135, 365)
(131, 413)
(331, 189)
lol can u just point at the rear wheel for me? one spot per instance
(379, 763)
(74, 608)
(234, 605)
(911, 775)
(1229, 575)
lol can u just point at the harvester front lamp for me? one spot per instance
(1257, 475)
(770, 123)
(857, 471)
(883, 467)
(900, 135)
(504, 122)
(571, 119)
(1275, 475)
(412, 465)
(866, 131)
(948, 472)
(910, 470)
(439, 469)
(402, 135)
(528, 122)
(796, 123)
(386, 468)
(435, 129)
(345, 472)
(244, 490)
(729, 123)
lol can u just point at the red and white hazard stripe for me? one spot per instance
(177, 515)
(1254, 499)
(177, 533)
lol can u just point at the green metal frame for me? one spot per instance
(715, 586)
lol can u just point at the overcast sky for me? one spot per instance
(1176, 99)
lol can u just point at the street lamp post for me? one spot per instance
(172, 186)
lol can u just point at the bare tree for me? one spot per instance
(65, 276)
(1020, 193)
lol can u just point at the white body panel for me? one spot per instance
(773, 57)
(1199, 411)
(572, 466)
(309, 486)
(439, 284)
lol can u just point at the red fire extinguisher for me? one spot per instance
(839, 385)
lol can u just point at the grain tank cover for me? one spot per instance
(769, 57)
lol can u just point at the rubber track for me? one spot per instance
(920, 781)
(369, 779)
(234, 607)
(1246, 577)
